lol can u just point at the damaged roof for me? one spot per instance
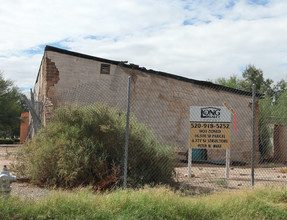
(149, 71)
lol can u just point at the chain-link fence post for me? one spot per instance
(127, 135)
(227, 165)
(253, 133)
(189, 161)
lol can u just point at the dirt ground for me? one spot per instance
(5, 153)
(208, 178)
(20, 188)
(205, 178)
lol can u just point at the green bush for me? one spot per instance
(6, 141)
(85, 145)
(16, 140)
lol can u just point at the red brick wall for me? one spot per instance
(24, 126)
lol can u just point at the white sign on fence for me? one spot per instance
(209, 129)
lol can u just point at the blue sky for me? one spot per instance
(193, 38)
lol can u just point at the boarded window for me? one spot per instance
(105, 68)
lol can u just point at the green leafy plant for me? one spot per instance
(221, 182)
(271, 165)
(85, 145)
(6, 141)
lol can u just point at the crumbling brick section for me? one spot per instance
(52, 78)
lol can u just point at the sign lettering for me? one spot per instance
(209, 127)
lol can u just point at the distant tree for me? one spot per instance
(273, 108)
(252, 75)
(280, 108)
(233, 82)
(279, 89)
(10, 108)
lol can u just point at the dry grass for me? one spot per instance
(283, 170)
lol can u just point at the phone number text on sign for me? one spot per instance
(211, 135)
(209, 125)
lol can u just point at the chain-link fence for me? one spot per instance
(237, 139)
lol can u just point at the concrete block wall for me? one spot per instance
(166, 102)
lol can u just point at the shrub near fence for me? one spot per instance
(9, 141)
(84, 145)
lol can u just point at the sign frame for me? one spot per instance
(212, 119)
(209, 127)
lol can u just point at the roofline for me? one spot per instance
(55, 49)
(39, 70)
(164, 74)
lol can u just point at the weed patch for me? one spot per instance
(150, 203)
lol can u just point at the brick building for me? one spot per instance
(166, 97)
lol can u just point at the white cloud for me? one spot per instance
(22, 69)
(223, 35)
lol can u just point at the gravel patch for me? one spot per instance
(20, 188)
(28, 191)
